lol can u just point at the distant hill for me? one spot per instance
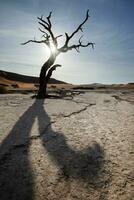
(94, 86)
(19, 81)
(10, 76)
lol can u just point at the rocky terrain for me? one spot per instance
(78, 148)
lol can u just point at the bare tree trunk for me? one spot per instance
(42, 84)
(43, 79)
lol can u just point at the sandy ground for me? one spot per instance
(67, 149)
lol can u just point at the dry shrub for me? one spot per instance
(36, 85)
(15, 85)
(53, 86)
(3, 89)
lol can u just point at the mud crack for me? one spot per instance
(79, 111)
(122, 99)
(27, 143)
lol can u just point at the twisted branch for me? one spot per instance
(36, 41)
(49, 36)
(66, 46)
(49, 74)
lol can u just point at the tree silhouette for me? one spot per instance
(51, 41)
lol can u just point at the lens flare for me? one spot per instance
(52, 47)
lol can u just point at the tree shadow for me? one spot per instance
(16, 177)
(85, 165)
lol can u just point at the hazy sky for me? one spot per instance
(111, 27)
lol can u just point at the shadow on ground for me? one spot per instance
(16, 177)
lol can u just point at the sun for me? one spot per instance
(46, 51)
(52, 48)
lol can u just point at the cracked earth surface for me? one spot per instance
(67, 149)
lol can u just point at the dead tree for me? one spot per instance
(51, 41)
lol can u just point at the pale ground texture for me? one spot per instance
(79, 149)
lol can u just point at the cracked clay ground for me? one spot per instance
(79, 149)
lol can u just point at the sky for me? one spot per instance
(110, 26)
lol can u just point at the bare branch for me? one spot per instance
(45, 35)
(47, 31)
(47, 25)
(76, 47)
(44, 26)
(80, 42)
(81, 29)
(41, 30)
(36, 41)
(68, 38)
(56, 40)
(43, 21)
(49, 74)
(80, 26)
(49, 21)
(65, 47)
(58, 36)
